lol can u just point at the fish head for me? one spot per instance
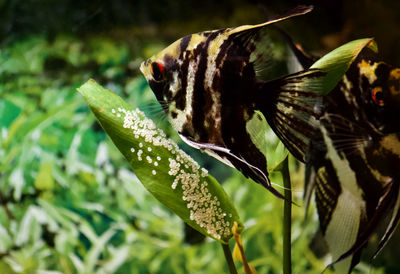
(159, 72)
(381, 84)
(171, 75)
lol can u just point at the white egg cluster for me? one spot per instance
(204, 208)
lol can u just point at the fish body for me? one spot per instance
(354, 158)
(211, 84)
(222, 89)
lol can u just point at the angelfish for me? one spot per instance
(354, 159)
(220, 88)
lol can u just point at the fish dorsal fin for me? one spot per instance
(304, 58)
(299, 10)
(266, 48)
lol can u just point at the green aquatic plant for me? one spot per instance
(166, 171)
(65, 227)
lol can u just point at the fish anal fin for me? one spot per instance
(390, 197)
(340, 214)
(394, 221)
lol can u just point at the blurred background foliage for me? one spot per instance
(69, 203)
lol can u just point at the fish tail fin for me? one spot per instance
(292, 114)
(292, 104)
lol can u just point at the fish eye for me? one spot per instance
(157, 70)
(377, 96)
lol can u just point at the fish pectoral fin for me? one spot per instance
(230, 158)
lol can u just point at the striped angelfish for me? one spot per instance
(220, 88)
(354, 159)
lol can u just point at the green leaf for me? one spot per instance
(266, 141)
(98, 244)
(44, 179)
(167, 172)
(8, 112)
(5, 239)
(333, 66)
(118, 257)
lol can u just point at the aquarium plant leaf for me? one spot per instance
(325, 73)
(167, 172)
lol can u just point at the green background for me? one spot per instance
(69, 202)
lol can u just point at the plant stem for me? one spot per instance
(229, 259)
(287, 219)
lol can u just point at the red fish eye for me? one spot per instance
(157, 70)
(377, 96)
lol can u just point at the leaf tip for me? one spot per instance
(372, 45)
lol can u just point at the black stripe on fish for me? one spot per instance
(212, 95)
(183, 72)
(199, 92)
(223, 52)
(327, 191)
(184, 44)
(236, 75)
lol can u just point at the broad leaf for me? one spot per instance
(325, 73)
(167, 172)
